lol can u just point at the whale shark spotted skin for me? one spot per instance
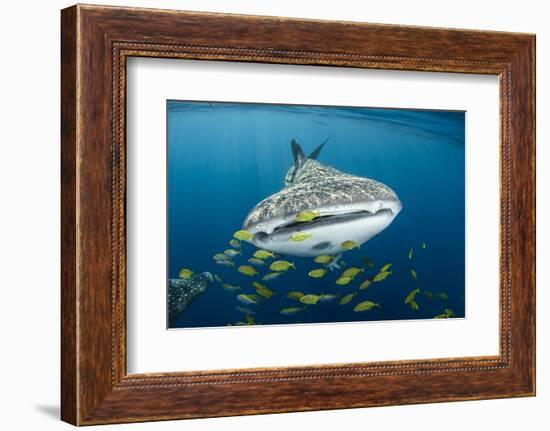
(350, 208)
(181, 293)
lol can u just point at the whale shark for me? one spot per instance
(348, 207)
(182, 292)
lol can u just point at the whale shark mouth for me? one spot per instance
(323, 221)
(327, 232)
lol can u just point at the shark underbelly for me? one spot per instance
(327, 234)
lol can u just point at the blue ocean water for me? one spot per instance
(223, 158)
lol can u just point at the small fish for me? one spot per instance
(327, 297)
(249, 319)
(231, 253)
(299, 236)
(295, 295)
(235, 243)
(385, 267)
(247, 270)
(186, 273)
(443, 296)
(368, 262)
(428, 294)
(243, 235)
(323, 259)
(262, 254)
(221, 256)
(424, 245)
(263, 291)
(218, 278)
(290, 310)
(382, 276)
(307, 215)
(342, 281)
(410, 299)
(230, 287)
(347, 298)
(449, 312)
(317, 273)
(352, 272)
(365, 306)
(414, 275)
(365, 284)
(350, 245)
(247, 299)
(310, 299)
(245, 310)
(257, 262)
(410, 254)
(281, 265)
(225, 263)
(412, 294)
(271, 276)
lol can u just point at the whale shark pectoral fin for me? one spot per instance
(315, 153)
(297, 152)
(334, 264)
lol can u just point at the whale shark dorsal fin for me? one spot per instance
(315, 153)
(297, 152)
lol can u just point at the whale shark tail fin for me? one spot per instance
(299, 155)
(300, 160)
(315, 153)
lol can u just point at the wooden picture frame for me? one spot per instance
(96, 41)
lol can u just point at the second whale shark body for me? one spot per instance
(349, 208)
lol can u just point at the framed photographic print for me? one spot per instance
(328, 222)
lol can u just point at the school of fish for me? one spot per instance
(262, 267)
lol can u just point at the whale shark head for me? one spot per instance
(182, 293)
(348, 207)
